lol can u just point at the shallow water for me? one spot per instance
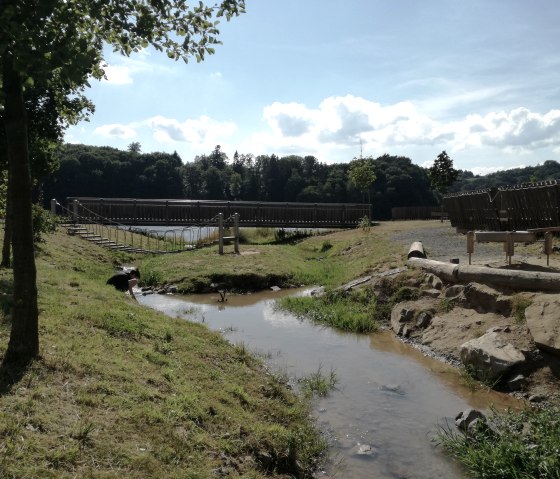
(389, 399)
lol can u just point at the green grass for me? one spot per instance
(329, 260)
(122, 391)
(336, 310)
(518, 445)
(519, 303)
(318, 384)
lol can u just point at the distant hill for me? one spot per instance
(549, 170)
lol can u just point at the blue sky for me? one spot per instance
(477, 78)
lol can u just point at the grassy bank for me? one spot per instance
(327, 259)
(123, 391)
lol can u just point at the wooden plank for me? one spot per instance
(501, 236)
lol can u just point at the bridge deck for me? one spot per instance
(161, 212)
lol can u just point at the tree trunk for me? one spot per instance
(7, 245)
(24, 336)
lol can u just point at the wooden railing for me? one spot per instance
(511, 208)
(127, 211)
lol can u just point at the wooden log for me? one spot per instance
(416, 250)
(444, 271)
(518, 280)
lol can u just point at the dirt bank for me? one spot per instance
(456, 319)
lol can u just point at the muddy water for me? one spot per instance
(389, 398)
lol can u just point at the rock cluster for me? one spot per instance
(483, 327)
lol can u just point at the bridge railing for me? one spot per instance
(192, 212)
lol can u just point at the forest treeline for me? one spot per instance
(108, 172)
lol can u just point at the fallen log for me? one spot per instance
(517, 280)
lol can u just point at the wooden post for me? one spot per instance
(75, 211)
(220, 233)
(548, 246)
(509, 246)
(470, 244)
(236, 232)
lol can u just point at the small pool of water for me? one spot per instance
(389, 401)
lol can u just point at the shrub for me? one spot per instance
(44, 222)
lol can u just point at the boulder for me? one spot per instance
(454, 291)
(484, 299)
(434, 281)
(517, 383)
(469, 419)
(543, 321)
(404, 315)
(401, 315)
(424, 319)
(430, 293)
(490, 355)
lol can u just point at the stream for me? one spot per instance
(389, 399)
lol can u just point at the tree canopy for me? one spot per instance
(362, 174)
(442, 174)
(55, 46)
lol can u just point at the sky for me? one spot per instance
(479, 79)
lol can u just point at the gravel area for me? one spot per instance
(442, 243)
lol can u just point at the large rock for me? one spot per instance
(405, 314)
(490, 355)
(484, 299)
(543, 321)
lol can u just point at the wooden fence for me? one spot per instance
(416, 212)
(162, 212)
(511, 208)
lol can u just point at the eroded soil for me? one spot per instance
(449, 330)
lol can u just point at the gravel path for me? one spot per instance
(442, 243)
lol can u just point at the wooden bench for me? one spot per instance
(509, 238)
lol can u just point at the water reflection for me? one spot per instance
(389, 398)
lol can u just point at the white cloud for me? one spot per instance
(115, 130)
(485, 170)
(120, 70)
(203, 132)
(118, 74)
(344, 122)
(339, 128)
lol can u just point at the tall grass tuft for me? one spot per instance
(318, 384)
(335, 309)
(516, 445)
